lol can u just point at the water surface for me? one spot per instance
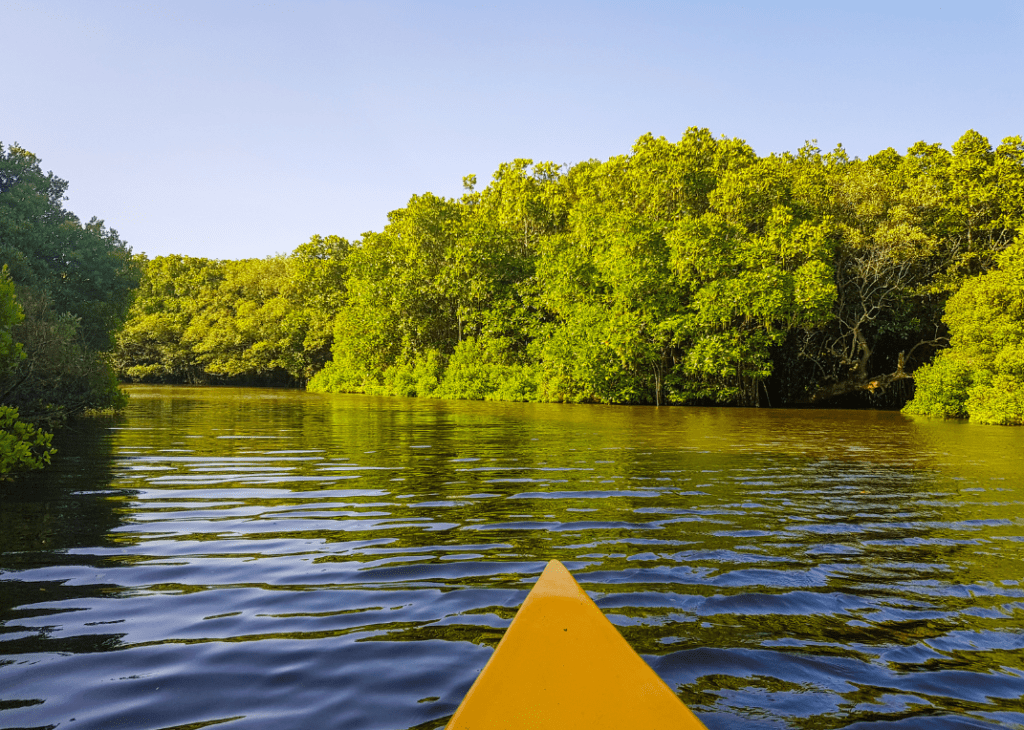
(247, 558)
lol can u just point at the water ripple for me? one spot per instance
(223, 558)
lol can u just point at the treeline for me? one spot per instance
(65, 288)
(254, 321)
(686, 272)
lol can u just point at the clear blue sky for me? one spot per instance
(231, 129)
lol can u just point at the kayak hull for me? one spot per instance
(562, 664)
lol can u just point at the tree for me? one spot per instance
(981, 375)
(748, 291)
(61, 376)
(317, 290)
(86, 270)
(72, 284)
(157, 343)
(606, 282)
(444, 276)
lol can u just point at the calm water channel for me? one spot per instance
(247, 559)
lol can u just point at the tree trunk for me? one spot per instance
(876, 385)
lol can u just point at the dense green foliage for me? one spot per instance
(66, 287)
(11, 351)
(255, 320)
(685, 272)
(693, 271)
(22, 446)
(83, 269)
(981, 376)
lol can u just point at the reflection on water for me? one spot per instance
(275, 559)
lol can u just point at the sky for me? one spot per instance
(240, 129)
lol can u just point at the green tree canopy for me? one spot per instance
(70, 286)
(255, 320)
(83, 269)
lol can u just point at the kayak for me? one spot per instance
(562, 664)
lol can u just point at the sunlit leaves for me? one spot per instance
(749, 286)
(23, 447)
(981, 376)
(11, 352)
(265, 320)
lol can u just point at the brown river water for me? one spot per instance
(253, 558)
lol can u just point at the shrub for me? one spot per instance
(22, 445)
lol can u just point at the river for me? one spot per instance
(255, 558)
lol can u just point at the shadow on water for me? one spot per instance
(268, 559)
(65, 506)
(45, 517)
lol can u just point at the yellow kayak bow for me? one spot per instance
(562, 664)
